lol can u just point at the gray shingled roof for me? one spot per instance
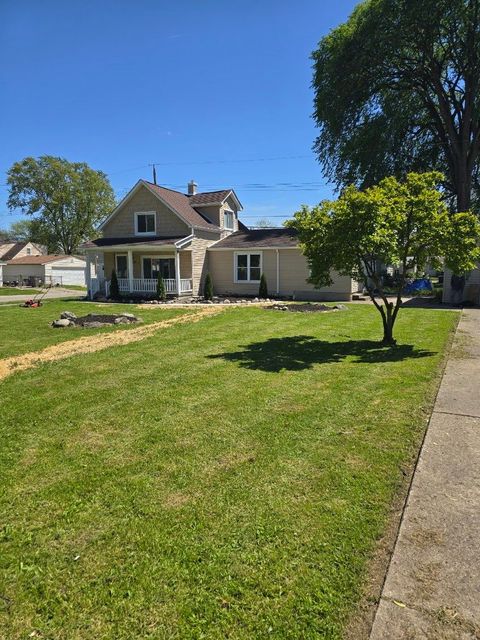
(113, 242)
(209, 197)
(180, 203)
(275, 238)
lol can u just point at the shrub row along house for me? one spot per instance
(183, 237)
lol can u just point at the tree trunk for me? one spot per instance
(463, 187)
(388, 323)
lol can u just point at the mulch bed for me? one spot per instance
(304, 307)
(102, 319)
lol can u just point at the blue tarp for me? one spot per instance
(421, 284)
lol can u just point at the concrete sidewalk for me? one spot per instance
(53, 294)
(432, 588)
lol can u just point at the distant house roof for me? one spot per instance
(8, 250)
(113, 242)
(38, 259)
(259, 238)
(11, 249)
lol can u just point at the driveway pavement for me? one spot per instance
(52, 293)
(432, 588)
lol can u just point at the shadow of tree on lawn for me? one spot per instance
(295, 353)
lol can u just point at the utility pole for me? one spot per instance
(154, 171)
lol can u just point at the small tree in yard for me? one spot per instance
(402, 223)
(263, 288)
(208, 287)
(114, 288)
(161, 291)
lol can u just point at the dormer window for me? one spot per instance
(228, 219)
(145, 223)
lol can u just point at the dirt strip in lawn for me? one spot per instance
(89, 344)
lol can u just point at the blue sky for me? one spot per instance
(213, 90)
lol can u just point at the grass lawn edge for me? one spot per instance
(361, 620)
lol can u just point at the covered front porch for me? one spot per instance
(138, 271)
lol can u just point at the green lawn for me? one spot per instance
(14, 291)
(23, 329)
(74, 287)
(223, 479)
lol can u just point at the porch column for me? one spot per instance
(177, 270)
(278, 272)
(88, 274)
(130, 270)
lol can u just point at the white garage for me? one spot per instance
(53, 270)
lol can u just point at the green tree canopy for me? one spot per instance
(397, 89)
(65, 199)
(402, 223)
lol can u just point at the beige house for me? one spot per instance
(183, 237)
(11, 250)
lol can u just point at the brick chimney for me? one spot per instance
(192, 188)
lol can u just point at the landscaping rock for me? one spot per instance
(129, 316)
(94, 325)
(226, 301)
(67, 315)
(121, 320)
(63, 322)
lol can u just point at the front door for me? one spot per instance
(152, 267)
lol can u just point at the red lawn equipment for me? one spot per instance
(36, 301)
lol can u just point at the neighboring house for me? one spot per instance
(183, 237)
(11, 250)
(45, 269)
(456, 291)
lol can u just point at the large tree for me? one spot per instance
(402, 223)
(65, 199)
(397, 89)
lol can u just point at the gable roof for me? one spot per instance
(273, 238)
(180, 204)
(38, 259)
(174, 200)
(12, 248)
(213, 197)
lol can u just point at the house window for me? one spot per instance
(121, 266)
(29, 252)
(145, 223)
(153, 267)
(248, 267)
(228, 220)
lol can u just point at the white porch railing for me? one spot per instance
(149, 285)
(96, 285)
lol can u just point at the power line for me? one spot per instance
(231, 160)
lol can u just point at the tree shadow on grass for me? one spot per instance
(295, 353)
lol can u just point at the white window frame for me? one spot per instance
(232, 228)
(146, 213)
(235, 267)
(121, 255)
(29, 251)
